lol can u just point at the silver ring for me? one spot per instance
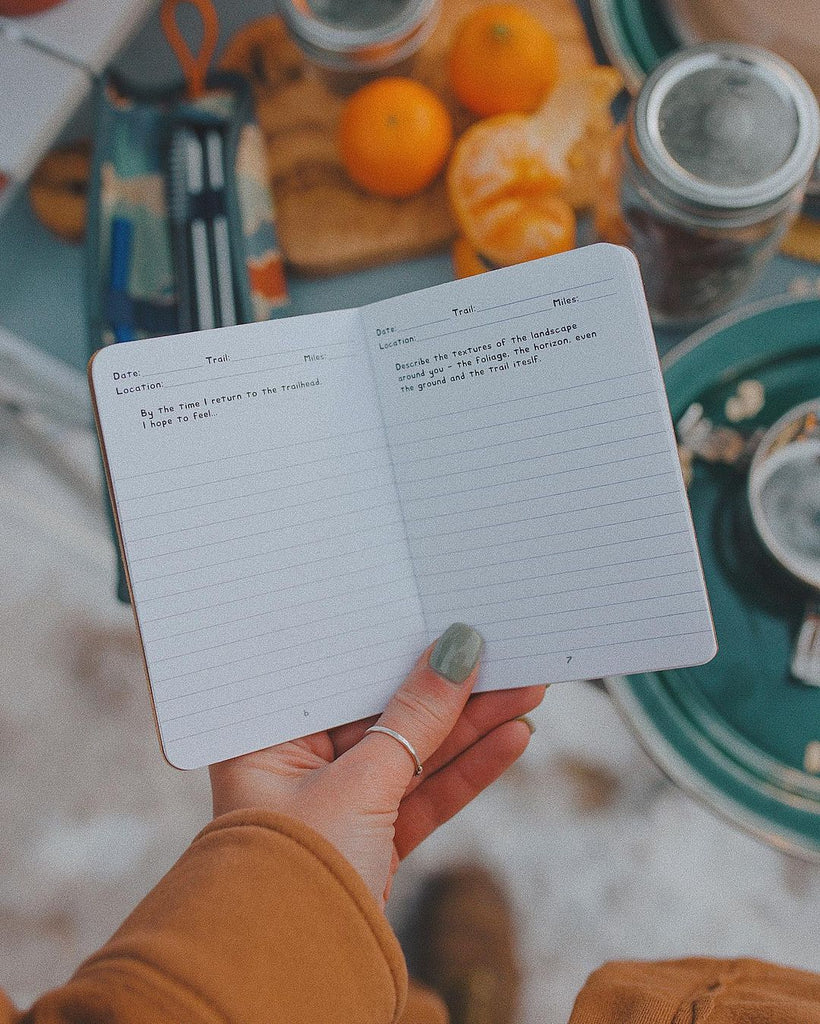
(408, 746)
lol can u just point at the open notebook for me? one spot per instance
(304, 504)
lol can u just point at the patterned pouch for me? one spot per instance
(149, 269)
(135, 269)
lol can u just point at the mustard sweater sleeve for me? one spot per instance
(260, 921)
(698, 990)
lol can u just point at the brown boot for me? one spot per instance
(462, 944)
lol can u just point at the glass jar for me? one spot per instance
(718, 149)
(352, 41)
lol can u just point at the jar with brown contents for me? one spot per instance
(718, 149)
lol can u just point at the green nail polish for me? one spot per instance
(456, 652)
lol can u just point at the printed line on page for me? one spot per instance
(577, 571)
(512, 302)
(599, 607)
(584, 627)
(264, 551)
(547, 295)
(270, 633)
(298, 347)
(543, 497)
(526, 419)
(285, 668)
(256, 474)
(516, 398)
(267, 510)
(528, 437)
(564, 551)
(508, 319)
(406, 499)
(321, 580)
(534, 458)
(266, 572)
(502, 658)
(598, 585)
(546, 515)
(278, 528)
(257, 451)
(323, 598)
(280, 710)
(257, 554)
(258, 369)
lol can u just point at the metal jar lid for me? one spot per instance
(726, 126)
(362, 34)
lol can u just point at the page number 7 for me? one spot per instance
(569, 658)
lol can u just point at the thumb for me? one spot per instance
(425, 708)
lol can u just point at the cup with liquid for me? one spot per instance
(784, 497)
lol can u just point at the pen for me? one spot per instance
(122, 237)
(178, 212)
(222, 247)
(195, 176)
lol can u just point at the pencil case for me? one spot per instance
(135, 271)
(148, 268)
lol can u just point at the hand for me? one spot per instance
(359, 791)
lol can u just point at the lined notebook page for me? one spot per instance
(537, 469)
(262, 533)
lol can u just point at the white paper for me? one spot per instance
(305, 503)
(536, 464)
(262, 532)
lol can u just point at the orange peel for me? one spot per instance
(515, 180)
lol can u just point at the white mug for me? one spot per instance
(784, 497)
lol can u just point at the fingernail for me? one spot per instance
(456, 652)
(528, 722)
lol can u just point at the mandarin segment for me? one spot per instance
(499, 155)
(524, 227)
(466, 261)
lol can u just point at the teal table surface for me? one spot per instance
(735, 731)
(41, 286)
(42, 280)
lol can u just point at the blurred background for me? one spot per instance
(604, 855)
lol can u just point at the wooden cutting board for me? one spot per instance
(326, 224)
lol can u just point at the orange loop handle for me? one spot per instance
(194, 66)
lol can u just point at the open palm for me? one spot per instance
(359, 790)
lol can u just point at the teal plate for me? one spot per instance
(635, 35)
(734, 732)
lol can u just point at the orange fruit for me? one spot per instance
(394, 136)
(502, 60)
(515, 180)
